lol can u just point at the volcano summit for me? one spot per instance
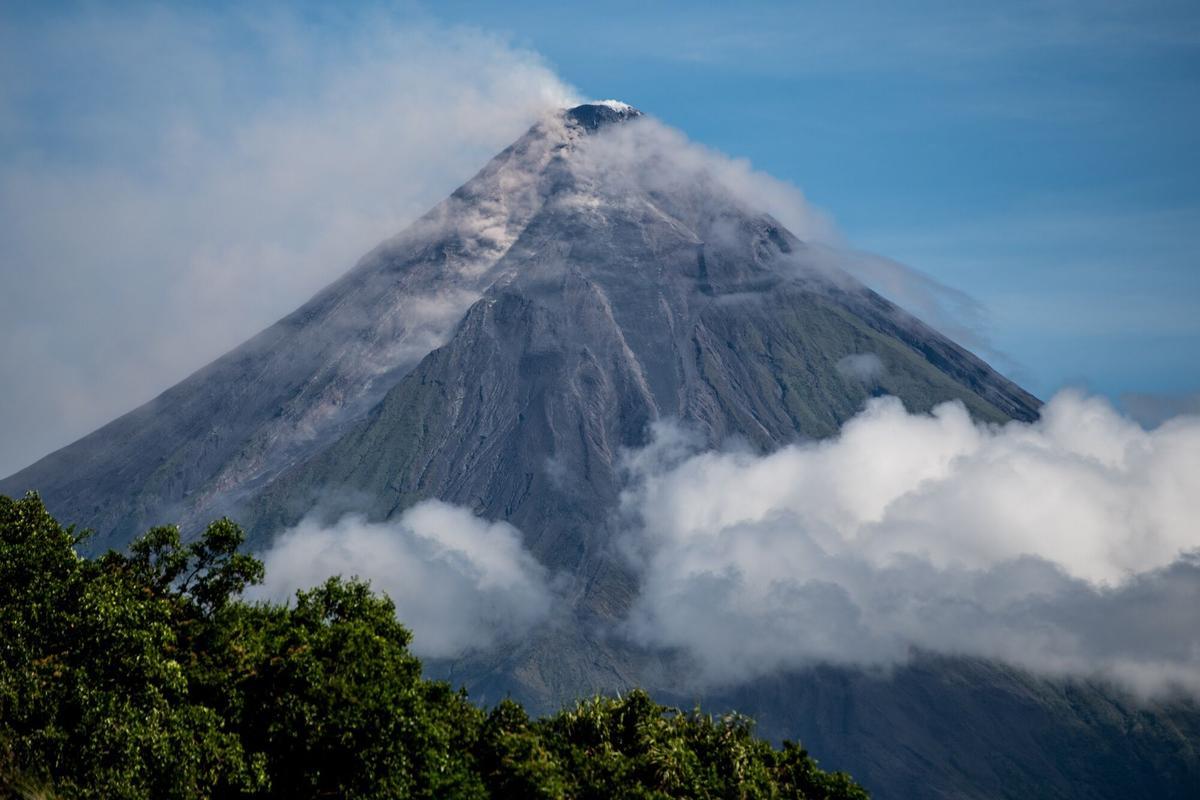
(507, 349)
(593, 277)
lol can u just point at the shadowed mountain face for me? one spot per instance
(959, 728)
(610, 286)
(503, 352)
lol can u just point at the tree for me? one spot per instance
(144, 675)
(94, 690)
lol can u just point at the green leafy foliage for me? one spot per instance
(146, 676)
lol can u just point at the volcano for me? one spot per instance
(581, 285)
(502, 353)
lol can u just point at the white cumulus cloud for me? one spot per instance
(1068, 546)
(460, 583)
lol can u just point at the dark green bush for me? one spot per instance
(145, 676)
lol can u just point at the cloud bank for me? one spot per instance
(460, 583)
(1066, 546)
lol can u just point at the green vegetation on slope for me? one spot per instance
(144, 676)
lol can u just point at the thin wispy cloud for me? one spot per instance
(663, 161)
(175, 180)
(1113, 304)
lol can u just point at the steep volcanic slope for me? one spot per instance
(502, 352)
(607, 321)
(570, 216)
(193, 452)
(618, 304)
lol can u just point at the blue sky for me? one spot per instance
(1043, 157)
(1040, 157)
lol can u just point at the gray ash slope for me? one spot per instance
(619, 304)
(580, 210)
(208, 443)
(503, 351)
